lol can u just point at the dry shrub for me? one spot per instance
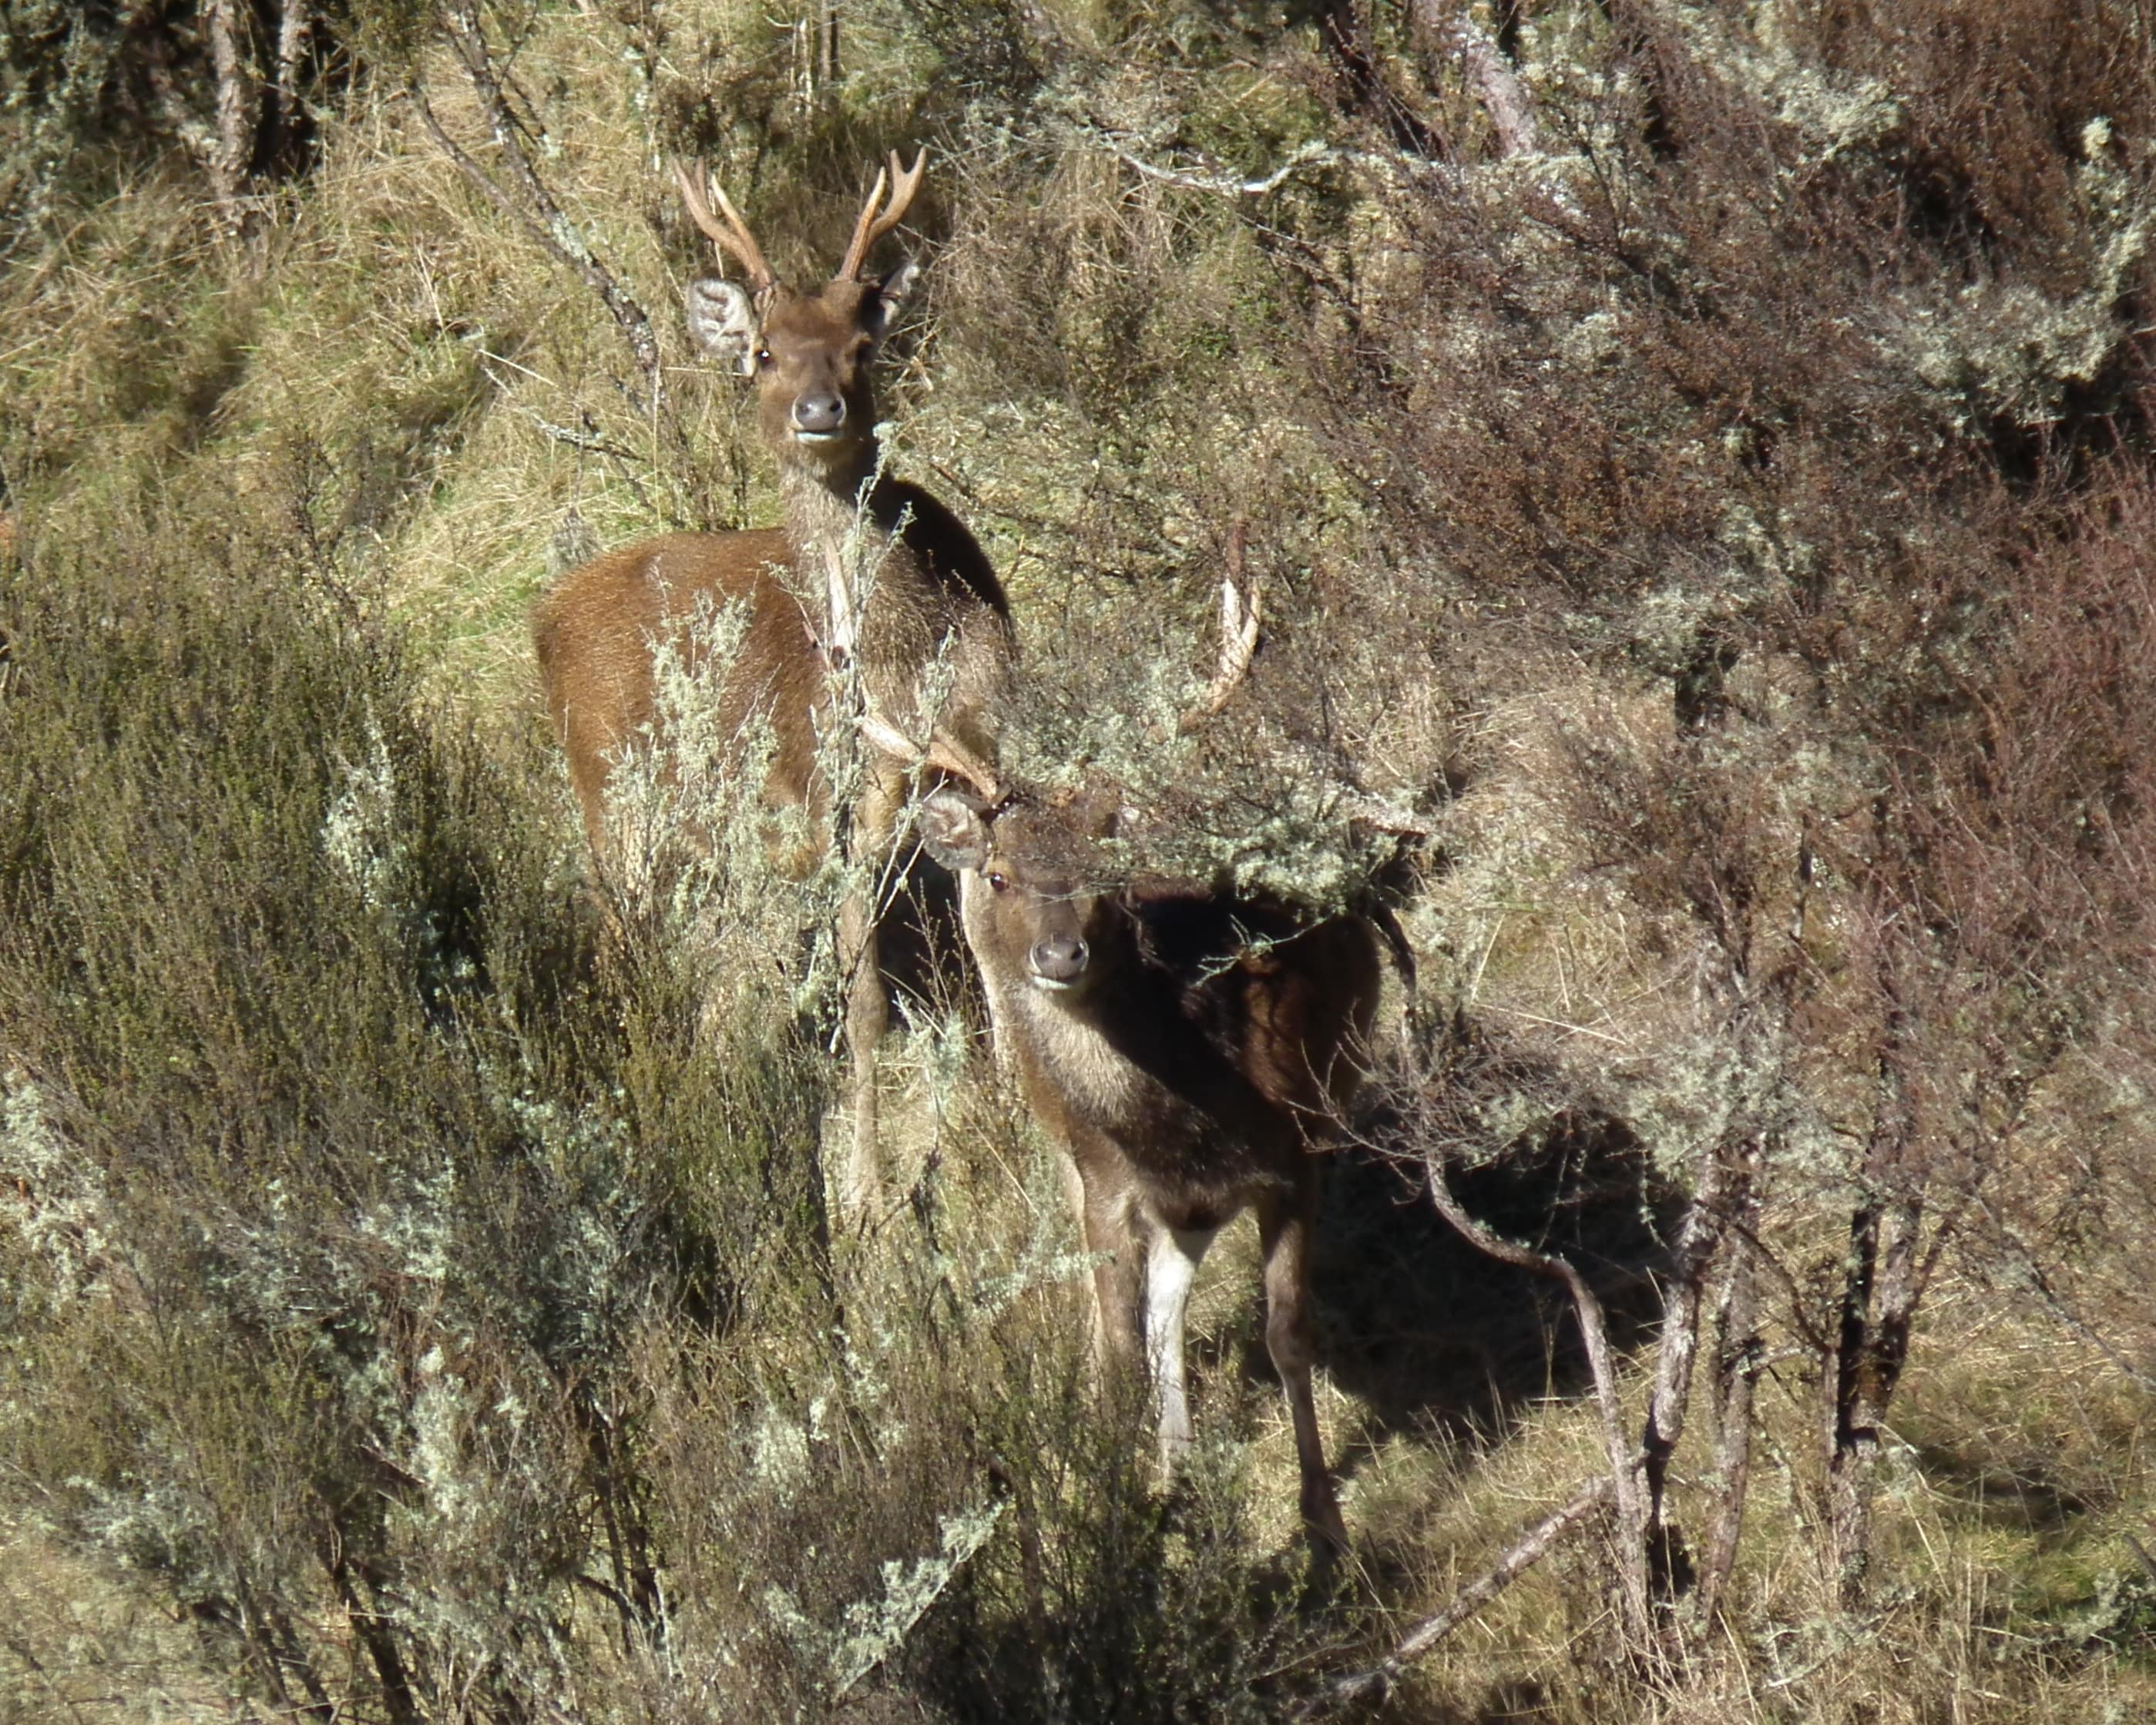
(1726, 532)
(431, 1296)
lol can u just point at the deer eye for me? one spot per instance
(763, 358)
(999, 882)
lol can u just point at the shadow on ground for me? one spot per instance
(1434, 1337)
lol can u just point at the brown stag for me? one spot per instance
(870, 581)
(1190, 1050)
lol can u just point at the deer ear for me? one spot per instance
(952, 831)
(722, 319)
(880, 308)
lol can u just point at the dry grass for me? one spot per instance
(1517, 451)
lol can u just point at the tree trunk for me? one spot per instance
(232, 154)
(1880, 1290)
(1735, 1372)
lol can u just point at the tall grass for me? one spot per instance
(1707, 580)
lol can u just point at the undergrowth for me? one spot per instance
(1704, 551)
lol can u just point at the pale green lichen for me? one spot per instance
(53, 1197)
(1837, 114)
(2011, 348)
(873, 1630)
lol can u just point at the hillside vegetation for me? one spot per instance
(1699, 465)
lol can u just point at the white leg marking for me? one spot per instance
(1171, 1267)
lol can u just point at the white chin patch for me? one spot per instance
(815, 437)
(1048, 984)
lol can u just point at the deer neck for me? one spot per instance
(839, 525)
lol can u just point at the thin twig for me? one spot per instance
(1595, 1334)
(537, 213)
(1517, 1558)
(582, 440)
(1536, 1018)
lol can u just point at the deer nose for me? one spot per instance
(1058, 960)
(819, 414)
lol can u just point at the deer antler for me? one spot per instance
(731, 236)
(869, 226)
(1240, 614)
(944, 752)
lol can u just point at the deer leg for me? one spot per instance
(1172, 1261)
(1286, 1223)
(1104, 1216)
(868, 1012)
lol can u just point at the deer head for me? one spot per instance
(809, 353)
(1039, 892)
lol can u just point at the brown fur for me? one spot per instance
(932, 610)
(1198, 1054)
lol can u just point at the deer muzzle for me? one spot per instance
(819, 417)
(1057, 962)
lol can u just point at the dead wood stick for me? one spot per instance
(1595, 1334)
(1522, 1555)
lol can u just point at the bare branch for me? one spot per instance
(1311, 154)
(1522, 1555)
(538, 214)
(1594, 1332)
(583, 440)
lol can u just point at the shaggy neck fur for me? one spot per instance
(839, 538)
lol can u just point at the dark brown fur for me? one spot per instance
(1190, 1051)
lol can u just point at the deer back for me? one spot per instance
(599, 631)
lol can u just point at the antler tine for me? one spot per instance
(943, 752)
(946, 754)
(905, 182)
(870, 227)
(857, 248)
(732, 236)
(1241, 615)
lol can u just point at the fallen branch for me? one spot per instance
(1522, 1555)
